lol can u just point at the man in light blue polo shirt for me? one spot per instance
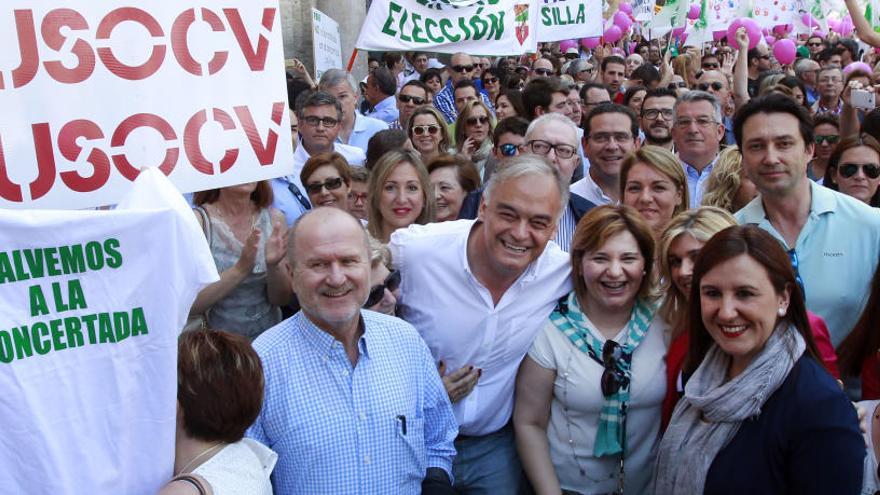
(832, 239)
(356, 130)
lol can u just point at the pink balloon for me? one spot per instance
(845, 28)
(589, 43)
(819, 33)
(834, 25)
(784, 50)
(731, 31)
(613, 34)
(625, 8)
(694, 11)
(782, 29)
(678, 32)
(753, 30)
(769, 40)
(719, 35)
(622, 21)
(564, 45)
(809, 20)
(860, 66)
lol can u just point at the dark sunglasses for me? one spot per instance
(477, 120)
(815, 44)
(490, 80)
(432, 129)
(463, 68)
(543, 72)
(674, 86)
(414, 99)
(508, 149)
(827, 139)
(848, 170)
(612, 377)
(392, 282)
(710, 66)
(329, 184)
(714, 85)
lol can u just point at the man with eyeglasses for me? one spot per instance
(815, 44)
(656, 117)
(758, 60)
(541, 67)
(356, 129)
(320, 116)
(807, 71)
(381, 86)
(833, 238)
(697, 130)
(716, 84)
(412, 95)
(830, 87)
(611, 131)
(461, 67)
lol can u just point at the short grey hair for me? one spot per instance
(528, 165)
(324, 210)
(552, 117)
(576, 66)
(334, 77)
(801, 66)
(694, 96)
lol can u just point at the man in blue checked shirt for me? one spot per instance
(353, 402)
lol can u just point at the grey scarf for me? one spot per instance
(712, 410)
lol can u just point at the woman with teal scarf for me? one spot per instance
(590, 390)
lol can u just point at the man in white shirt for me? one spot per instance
(320, 117)
(356, 129)
(697, 130)
(610, 132)
(478, 291)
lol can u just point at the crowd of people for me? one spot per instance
(594, 271)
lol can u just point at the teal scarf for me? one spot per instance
(570, 320)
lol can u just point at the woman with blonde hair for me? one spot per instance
(653, 182)
(428, 133)
(399, 194)
(728, 187)
(685, 66)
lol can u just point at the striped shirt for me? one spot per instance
(565, 229)
(374, 427)
(444, 101)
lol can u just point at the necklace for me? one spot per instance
(194, 459)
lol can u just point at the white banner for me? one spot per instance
(326, 45)
(643, 10)
(480, 27)
(769, 13)
(95, 91)
(569, 19)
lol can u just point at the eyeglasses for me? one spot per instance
(477, 120)
(680, 84)
(463, 68)
(316, 121)
(829, 80)
(612, 378)
(717, 86)
(848, 170)
(414, 99)
(543, 72)
(508, 149)
(329, 184)
(653, 113)
(606, 137)
(490, 80)
(700, 121)
(432, 129)
(830, 139)
(392, 282)
(711, 65)
(357, 197)
(541, 147)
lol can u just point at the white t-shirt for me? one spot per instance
(577, 387)
(92, 410)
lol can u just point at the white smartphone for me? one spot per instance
(862, 99)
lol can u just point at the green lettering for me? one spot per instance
(392, 9)
(22, 340)
(6, 355)
(417, 30)
(52, 261)
(545, 16)
(20, 272)
(581, 15)
(479, 25)
(445, 26)
(496, 26)
(6, 274)
(105, 329)
(76, 299)
(94, 255)
(57, 334)
(121, 325)
(111, 249)
(73, 329)
(38, 301)
(431, 23)
(72, 259)
(60, 307)
(34, 259)
(90, 327)
(403, 37)
(138, 322)
(40, 338)
(462, 24)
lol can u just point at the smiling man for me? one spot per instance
(832, 239)
(697, 131)
(478, 291)
(656, 117)
(610, 132)
(353, 401)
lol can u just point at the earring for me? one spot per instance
(781, 312)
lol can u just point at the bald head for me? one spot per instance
(324, 219)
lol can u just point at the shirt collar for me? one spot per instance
(591, 184)
(708, 168)
(822, 200)
(322, 341)
(382, 105)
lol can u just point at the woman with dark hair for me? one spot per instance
(327, 180)
(453, 177)
(219, 395)
(588, 394)
(854, 169)
(798, 90)
(509, 103)
(493, 81)
(247, 239)
(634, 97)
(826, 136)
(433, 78)
(859, 353)
(758, 400)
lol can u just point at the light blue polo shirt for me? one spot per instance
(837, 251)
(364, 128)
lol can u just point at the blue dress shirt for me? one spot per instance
(386, 110)
(375, 427)
(364, 129)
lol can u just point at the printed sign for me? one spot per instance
(326, 44)
(569, 19)
(95, 91)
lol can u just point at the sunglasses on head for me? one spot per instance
(717, 86)
(329, 184)
(432, 129)
(477, 120)
(848, 170)
(392, 282)
(508, 149)
(414, 99)
(826, 139)
(463, 68)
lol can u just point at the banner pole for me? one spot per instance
(351, 60)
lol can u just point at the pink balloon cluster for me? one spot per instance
(753, 30)
(589, 43)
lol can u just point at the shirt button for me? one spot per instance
(362, 416)
(344, 372)
(366, 459)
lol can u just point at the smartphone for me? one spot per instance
(861, 98)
